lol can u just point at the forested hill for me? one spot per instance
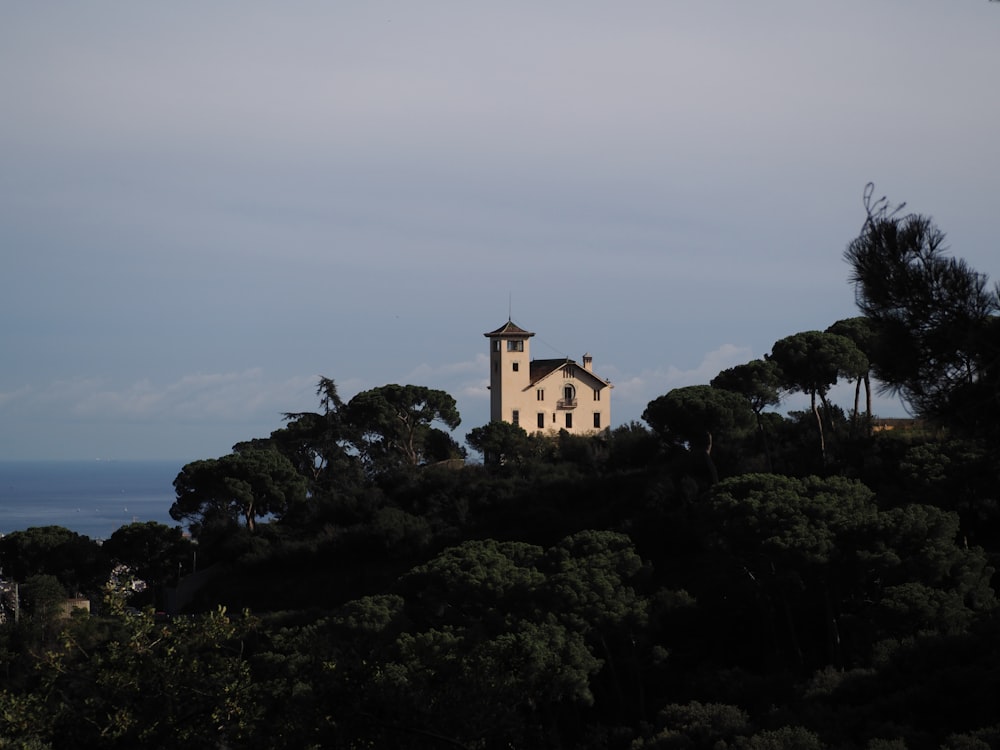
(720, 575)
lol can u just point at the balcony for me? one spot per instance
(566, 403)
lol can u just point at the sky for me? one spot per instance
(204, 207)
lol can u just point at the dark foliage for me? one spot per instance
(934, 319)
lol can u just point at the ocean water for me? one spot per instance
(93, 498)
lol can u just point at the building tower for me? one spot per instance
(510, 370)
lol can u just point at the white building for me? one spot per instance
(544, 395)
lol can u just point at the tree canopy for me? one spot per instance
(75, 560)
(758, 381)
(698, 416)
(392, 425)
(152, 551)
(812, 362)
(248, 484)
(500, 442)
(319, 443)
(937, 333)
(861, 331)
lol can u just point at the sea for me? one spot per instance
(93, 498)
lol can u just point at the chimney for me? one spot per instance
(588, 363)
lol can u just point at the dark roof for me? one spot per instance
(509, 329)
(541, 368)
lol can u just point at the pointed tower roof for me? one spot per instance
(510, 329)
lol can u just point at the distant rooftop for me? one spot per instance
(509, 329)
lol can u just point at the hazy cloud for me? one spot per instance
(634, 392)
(230, 396)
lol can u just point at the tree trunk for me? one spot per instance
(868, 403)
(409, 448)
(819, 425)
(854, 414)
(767, 445)
(713, 474)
